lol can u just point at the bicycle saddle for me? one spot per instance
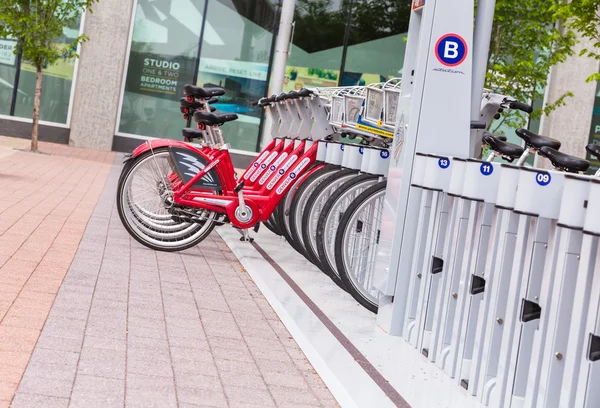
(280, 97)
(186, 111)
(305, 92)
(564, 161)
(293, 95)
(501, 146)
(537, 141)
(187, 104)
(593, 150)
(202, 92)
(212, 119)
(191, 133)
(212, 100)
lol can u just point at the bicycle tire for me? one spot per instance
(299, 201)
(127, 171)
(282, 215)
(340, 244)
(329, 264)
(330, 185)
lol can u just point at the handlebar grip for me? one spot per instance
(521, 106)
(477, 124)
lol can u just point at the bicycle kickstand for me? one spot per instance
(246, 236)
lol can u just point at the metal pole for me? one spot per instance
(280, 58)
(484, 21)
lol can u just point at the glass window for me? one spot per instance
(8, 63)
(595, 131)
(317, 45)
(376, 41)
(56, 83)
(235, 55)
(162, 60)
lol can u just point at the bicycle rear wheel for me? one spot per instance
(314, 206)
(299, 204)
(329, 220)
(142, 195)
(356, 245)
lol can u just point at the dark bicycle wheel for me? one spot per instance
(329, 219)
(299, 204)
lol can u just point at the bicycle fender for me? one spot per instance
(155, 144)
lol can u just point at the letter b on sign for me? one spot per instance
(451, 50)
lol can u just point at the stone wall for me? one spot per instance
(100, 74)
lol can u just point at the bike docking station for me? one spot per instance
(488, 268)
(411, 271)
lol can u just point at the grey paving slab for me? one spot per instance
(132, 327)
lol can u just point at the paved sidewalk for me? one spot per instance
(129, 326)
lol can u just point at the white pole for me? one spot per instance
(484, 21)
(280, 59)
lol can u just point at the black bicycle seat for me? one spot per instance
(187, 104)
(498, 137)
(593, 150)
(293, 95)
(212, 108)
(501, 146)
(537, 141)
(305, 92)
(564, 161)
(212, 119)
(212, 100)
(280, 97)
(191, 133)
(199, 92)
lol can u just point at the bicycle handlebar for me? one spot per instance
(520, 106)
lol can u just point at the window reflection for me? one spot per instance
(56, 82)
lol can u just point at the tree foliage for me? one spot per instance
(36, 25)
(527, 40)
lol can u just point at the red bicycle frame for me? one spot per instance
(261, 201)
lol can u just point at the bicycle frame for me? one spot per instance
(261, 202)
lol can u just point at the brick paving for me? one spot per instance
(90, 318)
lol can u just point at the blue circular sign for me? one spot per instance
(384, 154)
(272, 168)
(543, 179)
(281, 171)
(361, 150)
(451, 50)
(255, 164)
(263, 166)
(292, 175)
(486, 169)
(444, 163)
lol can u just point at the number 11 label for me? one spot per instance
(486, 169)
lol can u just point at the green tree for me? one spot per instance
(527, 40)
(35, 25)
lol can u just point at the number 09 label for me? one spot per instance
(543, 179)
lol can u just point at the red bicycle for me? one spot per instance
(171, 194)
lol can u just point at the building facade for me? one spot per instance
(126, 85)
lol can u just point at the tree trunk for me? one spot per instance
(36, 108)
